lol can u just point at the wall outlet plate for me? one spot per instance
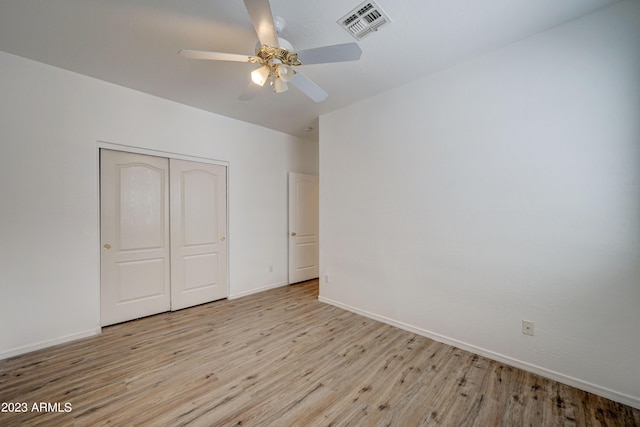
(527, 327)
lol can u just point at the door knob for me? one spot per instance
(107, 246)
(293, 233)
(222, 239)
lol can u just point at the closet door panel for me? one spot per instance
(134, 233)
(198, 233)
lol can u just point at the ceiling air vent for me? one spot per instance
(364, 20)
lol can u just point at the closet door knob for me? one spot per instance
(107, 246)
(293, 233)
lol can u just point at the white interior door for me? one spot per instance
(198, 233)
(303, 227)
(134, 232)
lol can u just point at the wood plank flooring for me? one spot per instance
(281, 358)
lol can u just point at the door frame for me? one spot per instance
(157, 153)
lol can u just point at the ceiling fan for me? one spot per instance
(276, 56)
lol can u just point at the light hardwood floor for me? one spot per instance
(282, 358)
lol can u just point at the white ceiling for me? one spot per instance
(134, 43)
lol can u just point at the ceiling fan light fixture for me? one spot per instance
(285, 72)
(260, 75)
(280, 86)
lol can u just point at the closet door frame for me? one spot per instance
(158, 153)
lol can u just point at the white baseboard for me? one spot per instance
(556, 376)
(44, 344)
(257, 290)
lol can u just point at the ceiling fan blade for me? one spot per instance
(214, 56)
(308, 87)
(334, 53)
(251, 91)
(262, 20)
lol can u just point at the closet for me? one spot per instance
(163, 226)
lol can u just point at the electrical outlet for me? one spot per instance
(527, 327)
(271, 269)
(326, 278)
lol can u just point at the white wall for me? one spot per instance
(504, 189)
(50, 123)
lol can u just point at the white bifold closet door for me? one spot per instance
(163, 235)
